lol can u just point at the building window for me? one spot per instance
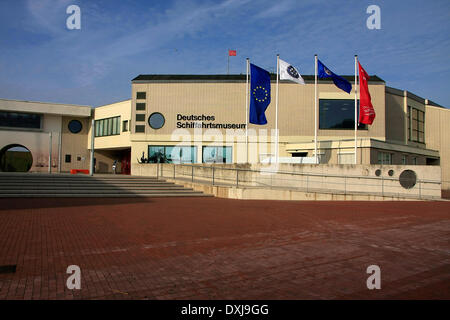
(68, 158)
(384, 158)
(140, 106)
(125, 126)
(404, 159)
(20, 120)
(414, 161)
(107, 127)
(156, 120)
(172, 154)
(140, 117)
(338, 114)
(75, 126)
(217, 154)
(140, 129)
(141, 95)
(416, 125)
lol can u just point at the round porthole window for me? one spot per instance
(75, 126)
(408, 179)
(156, 120)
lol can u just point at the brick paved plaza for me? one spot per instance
(210, 248)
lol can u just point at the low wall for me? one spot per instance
(335, 179)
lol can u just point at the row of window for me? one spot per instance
(107, 127)
(188, 154)
(386, 158)
(20, 120)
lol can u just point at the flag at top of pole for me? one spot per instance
(366, 110)
(231, 53)
(341, 83)
(259, 94)
(288, 72)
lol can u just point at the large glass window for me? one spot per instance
(416, 125)
(172, 154)
(107, 127)
(20, 120)
(217, 154)
(338, 114)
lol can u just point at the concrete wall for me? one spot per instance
(74, 144)
(437, 136)
(395, 116)
(339, 179)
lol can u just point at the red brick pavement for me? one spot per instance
(209, 248)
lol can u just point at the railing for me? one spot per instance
(217, 175)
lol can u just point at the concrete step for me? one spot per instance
(103, 195)
(64, 185)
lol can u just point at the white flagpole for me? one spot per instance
(356, 109)
(276, 110)
(315, 108)
(246, 110)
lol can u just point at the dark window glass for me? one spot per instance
(140, 106)
(156, 120)
(68, 158)
(338, 114)
(140, 117)
(20, 120)
(172, 154)
(125, 126)
(141, 95)
(75, 126)
(140, 129)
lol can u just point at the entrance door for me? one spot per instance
(126, 162)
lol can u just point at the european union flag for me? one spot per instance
(259, 94)
(341, 83)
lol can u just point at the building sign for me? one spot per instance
(204, 122)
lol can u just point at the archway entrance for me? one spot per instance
(15, 158)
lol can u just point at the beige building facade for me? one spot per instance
(202, 119)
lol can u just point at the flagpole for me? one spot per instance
(315, 108)
(276, 111)
(228, 64)
(246, 109)
(356, 109)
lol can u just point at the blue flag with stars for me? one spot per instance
(324, 72)
(259, 94)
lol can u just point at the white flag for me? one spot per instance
(288, 72)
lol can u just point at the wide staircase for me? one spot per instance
(66, 185)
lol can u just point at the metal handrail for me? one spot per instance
(297, 173)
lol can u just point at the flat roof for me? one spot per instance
(45, 108)
(230, 77)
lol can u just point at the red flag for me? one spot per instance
(366, 110)
(232, 52)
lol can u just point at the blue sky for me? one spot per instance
(40, 59)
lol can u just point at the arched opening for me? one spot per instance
(15, 158)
